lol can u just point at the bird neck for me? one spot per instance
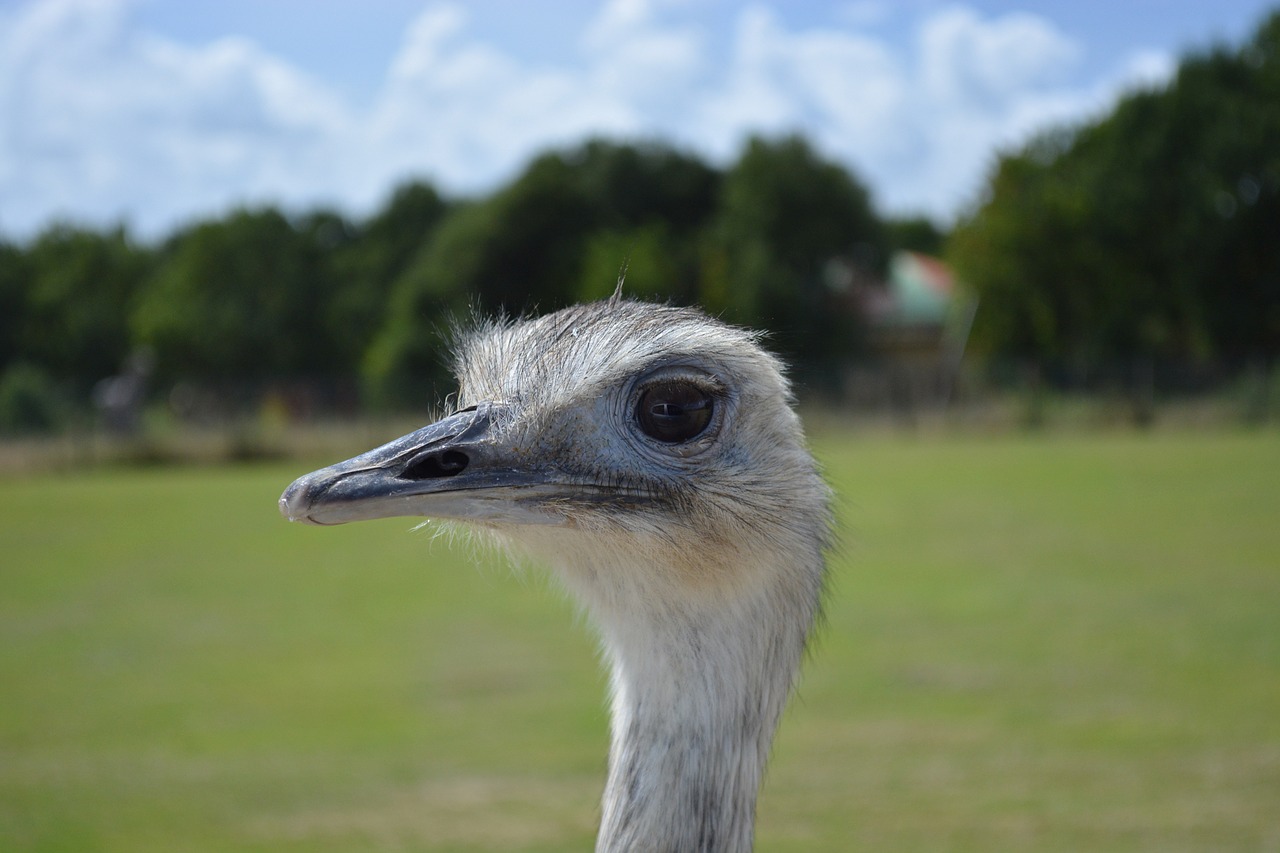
(695, 707)
(704, 648)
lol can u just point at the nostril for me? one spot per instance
(434, 465)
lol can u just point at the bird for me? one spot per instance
(650, 455)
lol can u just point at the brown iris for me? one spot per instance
(674, 412)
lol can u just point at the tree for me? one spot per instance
(78, 288)
(639, 185)
(14, 278)
(527, 247)
(784, 215)
(240, 299)
(655, 262)
(1150, 233)
(368, 261)
(514, 251)
(915, 234)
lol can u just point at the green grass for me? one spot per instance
(1051, 644)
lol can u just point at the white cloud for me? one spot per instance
(919, 125)
(983, 65)
(463, 111)
(863, 13)
(843, 89)
(1147, 68)
(101, 120)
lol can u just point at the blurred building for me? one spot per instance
(917, 323)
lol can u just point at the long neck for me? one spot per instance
(704, 647)
(696, 701)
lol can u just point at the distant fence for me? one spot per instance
(1030, 394)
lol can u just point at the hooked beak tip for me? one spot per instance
(295, 503)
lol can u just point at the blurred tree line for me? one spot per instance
(1151, 233)
(259, 297)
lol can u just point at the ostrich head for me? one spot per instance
(650, 456)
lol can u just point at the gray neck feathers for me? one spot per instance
(699, 680)
(692, 725)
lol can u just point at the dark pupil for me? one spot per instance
(674, 412)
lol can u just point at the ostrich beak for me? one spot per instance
(454, 468)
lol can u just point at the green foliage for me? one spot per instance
(403, 365)
(367, 264)
(915, 234)
(77, 289)
(656, 264)
(239, 299)
(30, 401)
(513, 251)
(635, 185)
(260, 297)
(251, 297)
(1151, 232)
(751, 244)
(14, 276)
(784, 214)
(527, 247)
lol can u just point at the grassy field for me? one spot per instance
(1050, 644)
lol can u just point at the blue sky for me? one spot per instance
(155, 112)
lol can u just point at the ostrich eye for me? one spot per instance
(674, 412)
